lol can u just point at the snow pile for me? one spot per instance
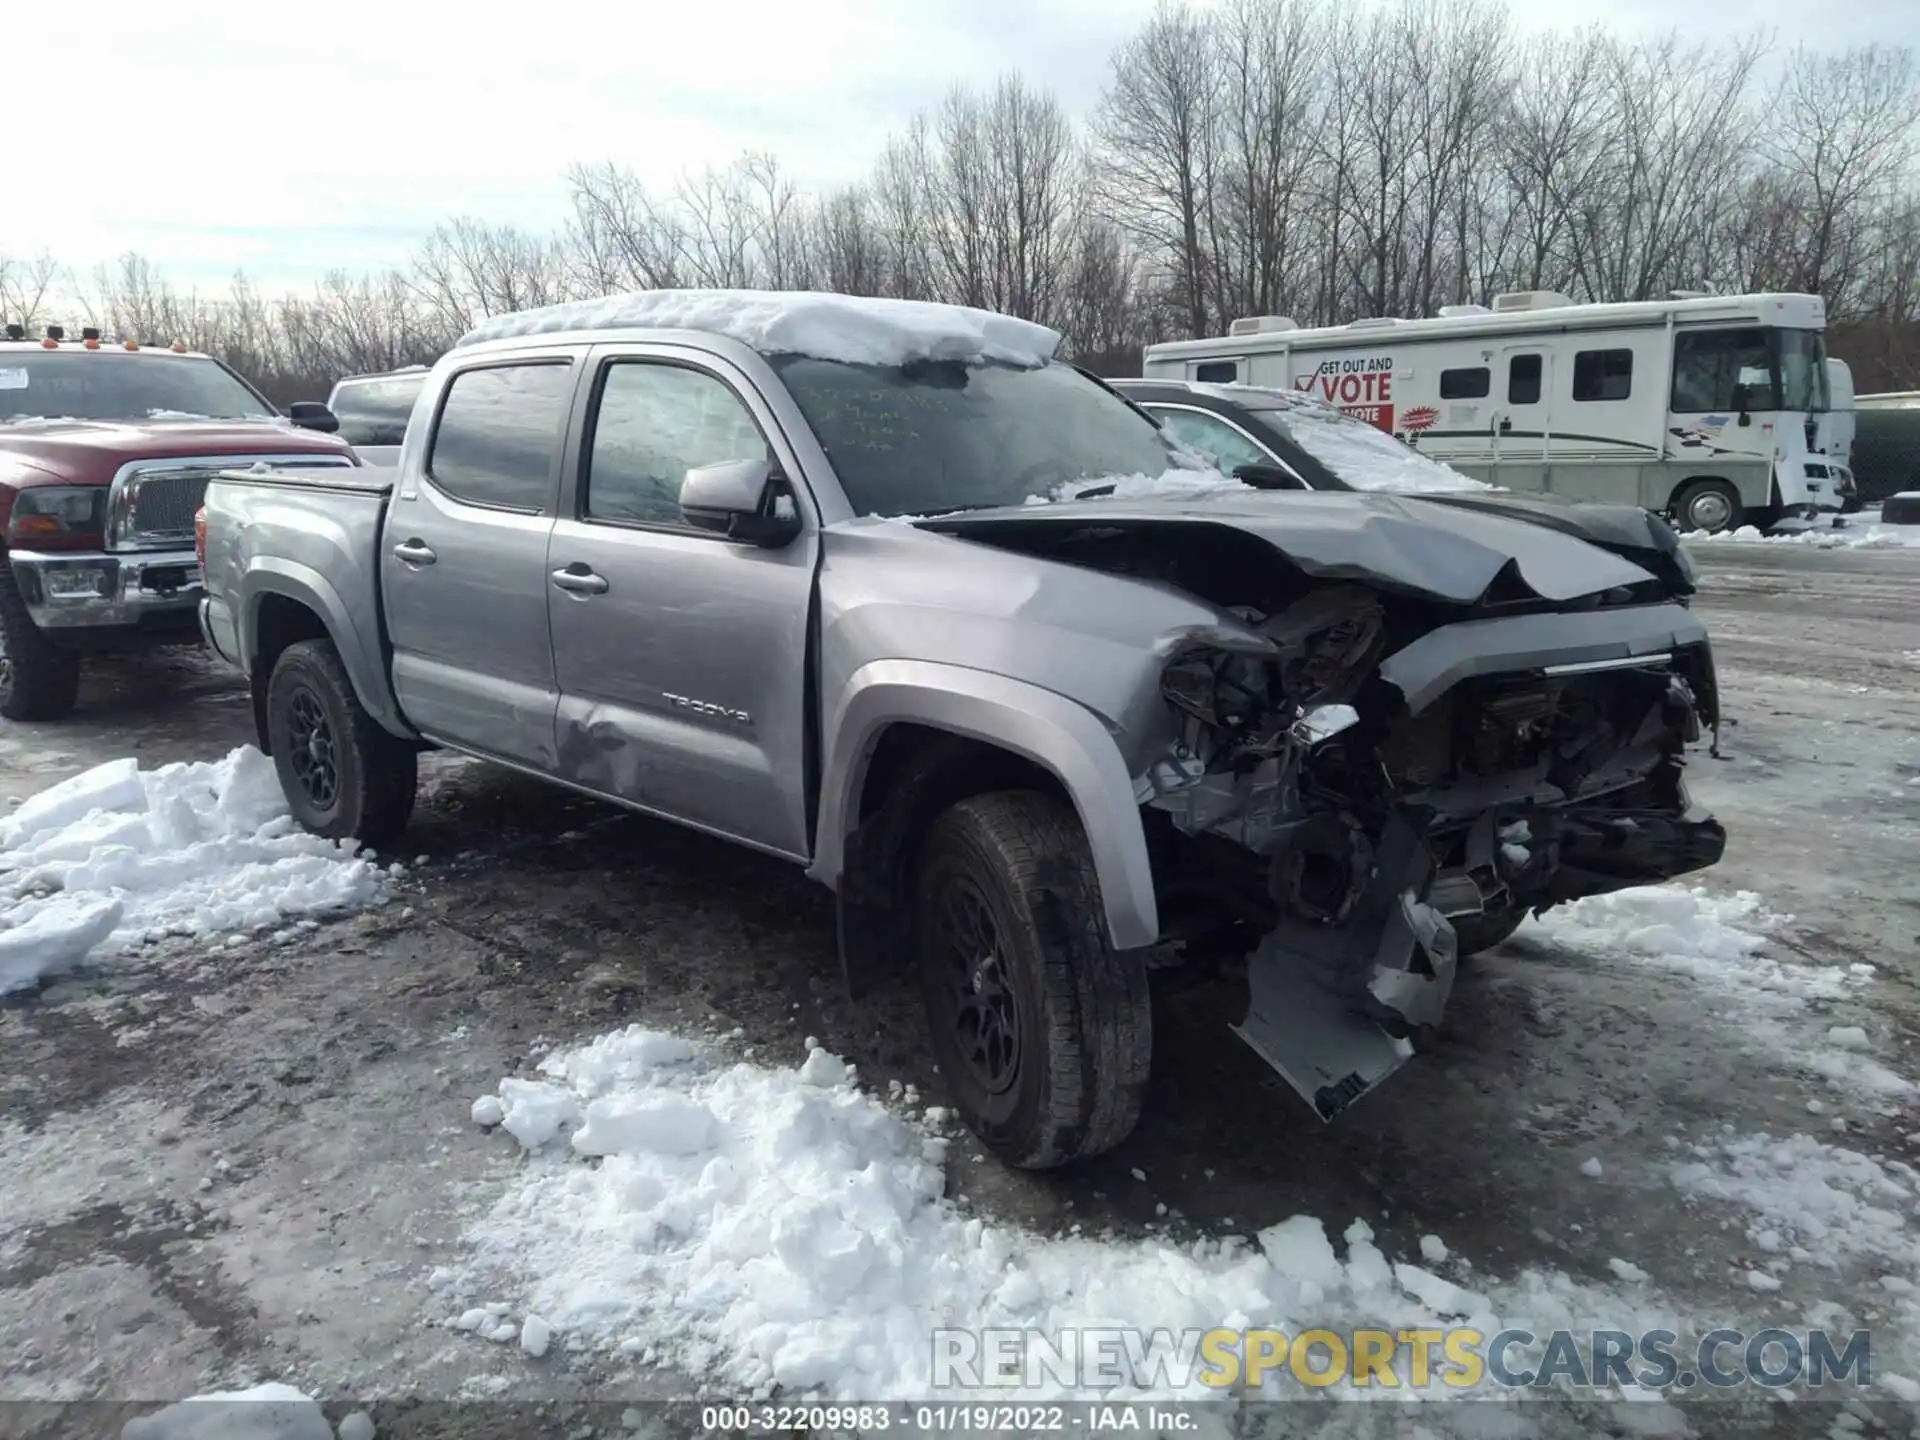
(1811, 1203)
(765, 1228)
(1718, 941)
(116, 857)
(857, 330)
(1873, 537)
(1185, 483)
(265, 1412)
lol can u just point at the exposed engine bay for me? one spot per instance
(1381, 833)
(1361, 783)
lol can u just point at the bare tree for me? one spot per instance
(1156, 132)
(1279, 156)
(27, 288)
(1840, 139)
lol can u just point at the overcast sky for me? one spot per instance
(212, 136)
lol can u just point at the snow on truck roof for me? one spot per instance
(858, 330)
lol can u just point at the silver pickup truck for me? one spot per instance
(883, 589)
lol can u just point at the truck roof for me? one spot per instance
(103, 347)
(858, 330)
(1542, 312)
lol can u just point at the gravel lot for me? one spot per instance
(240, 1164)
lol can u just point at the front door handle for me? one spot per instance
(414, 553)
(577, 579)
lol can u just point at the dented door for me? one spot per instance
(680, 655)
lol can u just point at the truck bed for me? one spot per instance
(358, 480)
(310, 538)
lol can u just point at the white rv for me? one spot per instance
(1709, 408)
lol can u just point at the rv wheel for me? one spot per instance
(1710, 505)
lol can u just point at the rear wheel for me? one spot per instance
(1710, 505)
(38, 680)
(1043, 1032)
(344, 777)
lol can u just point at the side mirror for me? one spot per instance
(312, 415)
(1262, 476)
(1743, 402)
(744, 500)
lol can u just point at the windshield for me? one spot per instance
(1755, 368)
(937, 436)
(1803, 370)
(100, 385)
(1359, 455)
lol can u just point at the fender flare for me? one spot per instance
(291, 580)
(1059, 735)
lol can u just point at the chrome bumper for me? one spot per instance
(74, 591)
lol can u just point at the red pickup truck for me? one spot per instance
(105, 451)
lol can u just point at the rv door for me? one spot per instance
(1839, 417)
(1522, 420)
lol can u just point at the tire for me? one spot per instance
(38, 680)
(1045, 1042)
(343, 776)
(1475, 933)
(1710, 505)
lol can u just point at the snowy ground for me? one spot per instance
(249, 1153)
(1862, 531)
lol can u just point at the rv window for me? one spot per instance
(1523, 380)
(1602, 374)
(1217, 372)
(1465, 384)
(1710, 366)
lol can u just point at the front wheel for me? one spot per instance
(38, 680)
(344, 777)
(1710, 505)
(1043, 1032)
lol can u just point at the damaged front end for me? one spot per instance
(1351, 788)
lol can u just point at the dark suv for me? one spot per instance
(373, 409)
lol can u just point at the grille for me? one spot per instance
(153, 502)
(163, 505)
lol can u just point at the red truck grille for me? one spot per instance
(153, 503)
(164, 505)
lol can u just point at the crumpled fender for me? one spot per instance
(1056, 733)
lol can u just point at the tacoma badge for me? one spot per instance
(707, 707)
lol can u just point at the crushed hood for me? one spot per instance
(1450, 553)
(1629, 531)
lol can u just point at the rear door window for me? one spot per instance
(497, 441)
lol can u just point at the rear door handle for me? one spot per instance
(577, 579)
(414, 553)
